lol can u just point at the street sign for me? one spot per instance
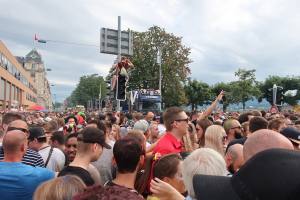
(109, 42)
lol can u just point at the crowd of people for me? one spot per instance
(172, 155)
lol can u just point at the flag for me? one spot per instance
(35, 37)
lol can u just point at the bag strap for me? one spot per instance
(49, 155)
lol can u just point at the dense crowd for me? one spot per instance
(172, 155)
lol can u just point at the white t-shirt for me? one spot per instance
(57, 159)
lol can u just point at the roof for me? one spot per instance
(34, 56)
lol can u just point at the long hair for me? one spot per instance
(64, 187)
(214, 135)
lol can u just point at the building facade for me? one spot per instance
(34, 65)
(17, 88)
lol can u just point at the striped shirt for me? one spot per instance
(31, 157)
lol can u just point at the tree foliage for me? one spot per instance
(197, 93)
(87, 89)
(174, 64)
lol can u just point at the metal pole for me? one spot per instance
(274, 94)
(100, 106)
(159, 83)
(119, 54)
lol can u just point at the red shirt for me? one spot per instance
(168, 144)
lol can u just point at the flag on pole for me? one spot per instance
(35, 37)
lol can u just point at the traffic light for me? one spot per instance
(269, 96)
(108, 88)
(121, 89)
(279, 96)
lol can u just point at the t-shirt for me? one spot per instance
(168, 144)
(122, 192)
(57, 159)
(83, 174)
(31, 157)
(19, 181)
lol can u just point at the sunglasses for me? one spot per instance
(20, 129)
(239, 127)
(71, 145)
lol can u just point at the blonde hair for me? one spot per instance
(213, 138)
(118, 136)
(64, 187)
(202, 161)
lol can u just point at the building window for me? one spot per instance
(12, 92)
(7, 91)
(2, 89)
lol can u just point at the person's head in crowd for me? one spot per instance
(7, 118)
(128, 156)
(201, 127)
(49, 128)
(190, 140)
(71, 123)
(101, 117)
(143, 126)
(139, 136)
(176, 121)
(233, 129)
(64, 187)
(293, 135)
(215, 138)
(244, 117)
(36, 138)
(18, 125)
(256, 113)
(149, 117)
(108, 127)
(234, 158)
(169, 169)
(154, 132)
(263, 113)
(271, 174)
(202, 161)
(257, 123)
(96, 124)
(71, 143)
(109, 117)
(57, 140)
(14, 145)
(91, 142)
(245, 127)
(115, 132)
(137, 116)
(60, 123)
(264, 139)
(277, 124)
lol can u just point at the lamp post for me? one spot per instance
(158, 61)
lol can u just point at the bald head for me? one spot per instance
(234, 157)
(14, 142)
(262, 140)
(235, 151)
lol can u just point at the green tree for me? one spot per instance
(228, 97)
(197, 93)
(175, 61)
(246, 87)
(87, 89)
(288, 83)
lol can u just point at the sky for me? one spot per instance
(223, 35)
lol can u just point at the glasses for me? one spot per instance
(71, 145)
(182, 120)
(20, 129)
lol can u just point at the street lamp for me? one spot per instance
(158, 61)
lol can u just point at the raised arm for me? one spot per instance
(213, 105)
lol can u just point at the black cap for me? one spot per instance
(93, 135)
(270, 174)
(36, 133)
(292, 134)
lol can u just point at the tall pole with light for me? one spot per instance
(158, 61)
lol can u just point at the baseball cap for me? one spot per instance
(36, 133)
(270, 174)
(93, 135)
(292, 134)
(141, 125)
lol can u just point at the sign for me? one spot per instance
(109, 42)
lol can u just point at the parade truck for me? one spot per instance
(144, 100)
